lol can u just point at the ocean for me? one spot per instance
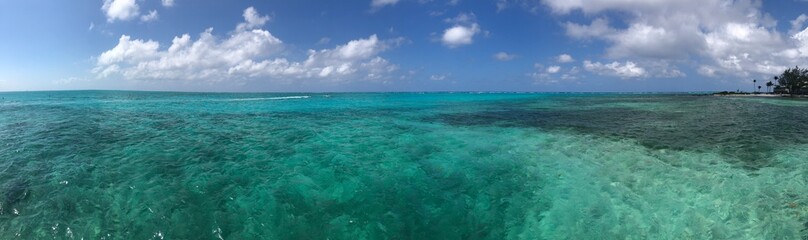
(163, 165)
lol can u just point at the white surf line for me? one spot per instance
(268, 98)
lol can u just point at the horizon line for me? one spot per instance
(428, 91)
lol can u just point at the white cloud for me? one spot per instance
(246, 52)
(168, 3)
(460, 35)
(152, 16)
(725, 37)
(565, 58)
(103, 72)
(129, 50)
(553, 74)
(596, 6)
(572, 74)
(746, 49)
(503, 56)
(462, 18)
(463, 32)
(796, 24)
(251, 20)
(598, 28)
(437, 77)
(662, 69)
(324, 41)
(120, 9)
(624, 70)
(639, 39)
(376, 4)
(91, 27)
(802, 42)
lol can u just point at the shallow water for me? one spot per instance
(142, 165)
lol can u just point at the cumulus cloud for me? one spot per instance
(503, 56)
(462, 33)
(131, 50)
(553, 69)
(120, 10)
(246, 52)
(564, 58)
(459, 35)
(802, 42)
(152, 16)
(251, 20)
(336, 64)
(624, 70)
(725, 37)
(168, 3)
(639, 39)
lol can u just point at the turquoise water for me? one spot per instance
(141, 165)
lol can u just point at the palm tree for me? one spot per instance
(777, 81)
(759, 88)
(754, 83)
(769, 85)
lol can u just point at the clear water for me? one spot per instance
(140, 165)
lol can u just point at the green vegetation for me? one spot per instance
(793, 81)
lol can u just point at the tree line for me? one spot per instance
(792, 81)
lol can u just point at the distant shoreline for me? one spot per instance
(746, 94)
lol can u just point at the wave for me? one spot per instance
(267, 98)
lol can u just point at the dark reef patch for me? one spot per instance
(14, 192)
(743, 130)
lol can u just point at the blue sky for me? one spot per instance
(399, 45)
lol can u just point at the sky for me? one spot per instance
(399, 45)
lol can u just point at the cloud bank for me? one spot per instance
(247, 52)
(724, 38)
